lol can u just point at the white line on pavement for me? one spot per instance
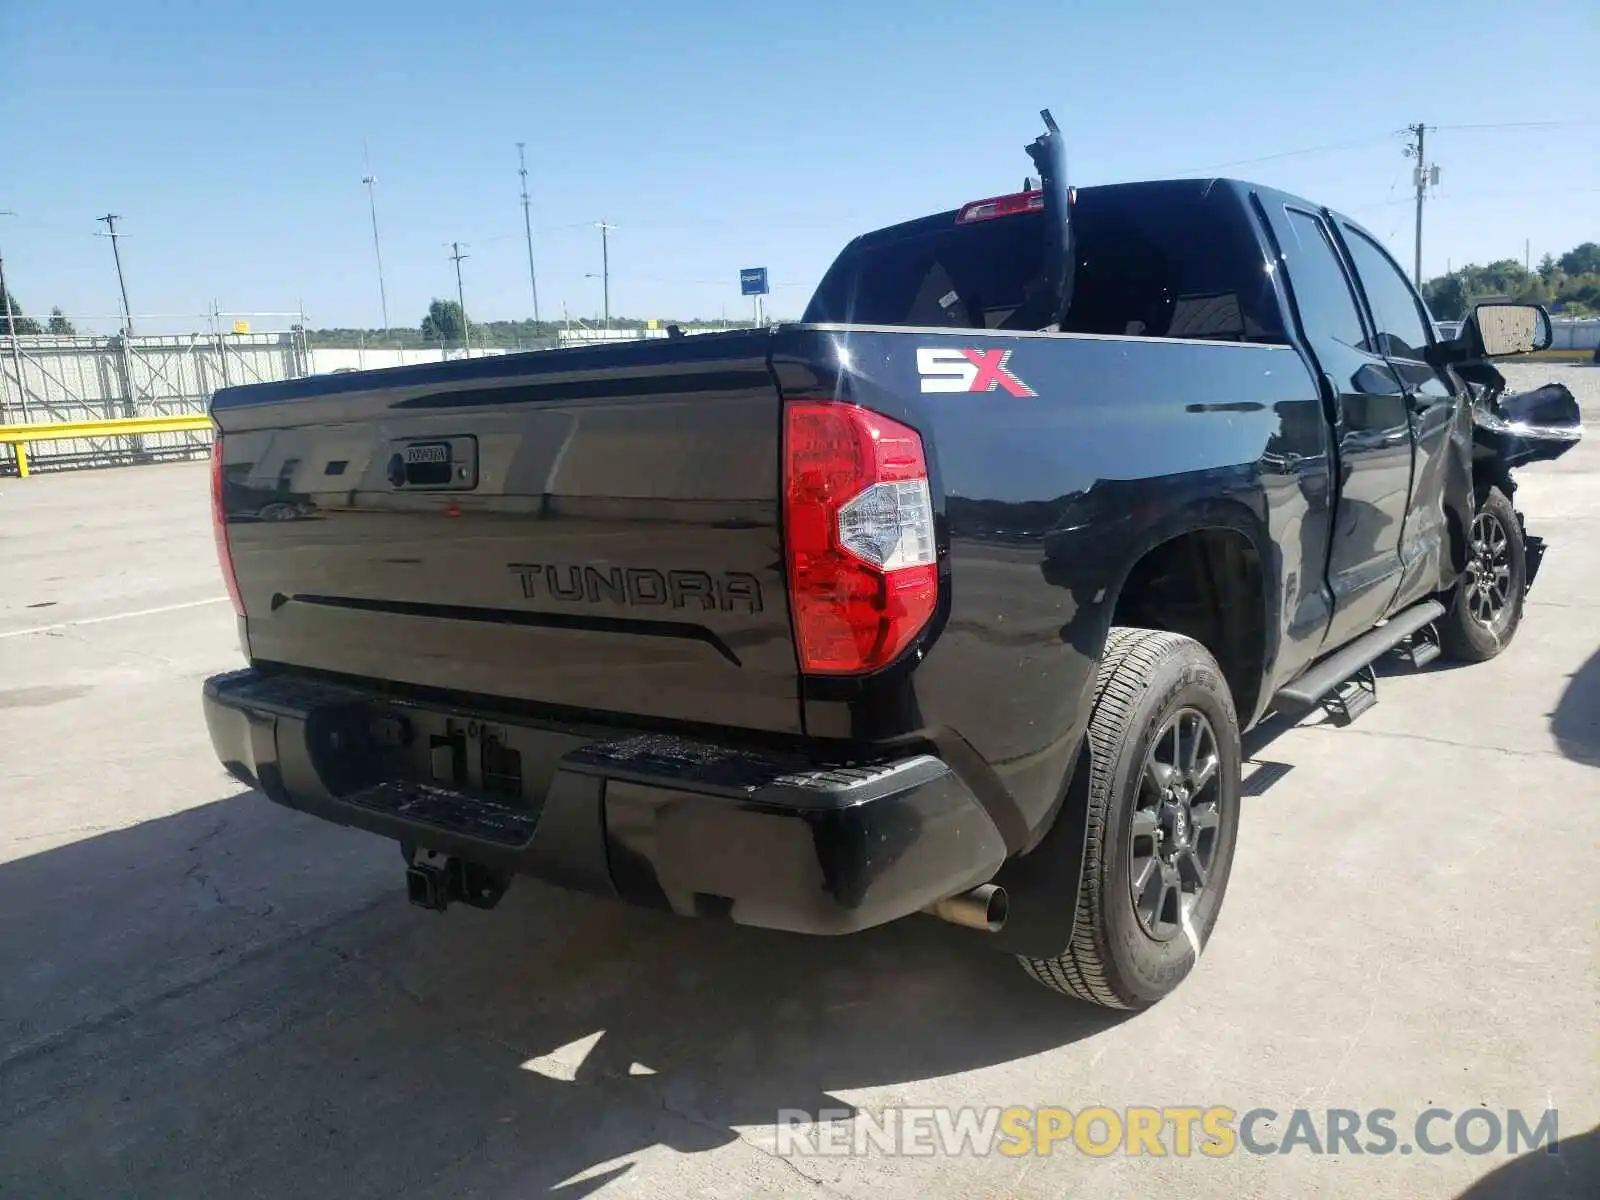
(143, 612)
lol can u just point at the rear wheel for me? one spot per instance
(1486, 605)
(1163, 819)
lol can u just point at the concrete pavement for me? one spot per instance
(206, 995)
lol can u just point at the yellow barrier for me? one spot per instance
(18, 436)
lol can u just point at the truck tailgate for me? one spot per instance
(592, 529)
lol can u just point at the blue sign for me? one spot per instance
(753, 282)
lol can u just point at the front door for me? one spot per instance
(1433, 408)
(1371, 427)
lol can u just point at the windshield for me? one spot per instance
(1151, 262)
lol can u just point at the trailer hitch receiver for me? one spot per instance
(435, 881)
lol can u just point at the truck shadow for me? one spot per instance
(1575, 723)
(1573, 1173)
(1262, 773)
(239, 993)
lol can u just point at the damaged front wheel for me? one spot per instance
(1486, 604)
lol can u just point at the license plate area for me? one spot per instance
(355, 745)
(434, 464)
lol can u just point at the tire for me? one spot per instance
(1119, 957)
(1498, 567)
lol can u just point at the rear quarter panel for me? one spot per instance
(1046, 501)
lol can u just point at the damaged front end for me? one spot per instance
(1507, 431)
(1516, 429)
(1524, 427)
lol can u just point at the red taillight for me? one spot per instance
(1000, 206)
(863, 577)
(219, 526)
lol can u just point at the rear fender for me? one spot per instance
(1042, 883)
(1231, 514)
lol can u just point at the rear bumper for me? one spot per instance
(694, 828)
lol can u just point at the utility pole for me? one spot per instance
(461, 299)
(1426, 173)
(111, 220)
(605, 266)
(371, 181)
(11, 322)
(527, 226)
(16, 353)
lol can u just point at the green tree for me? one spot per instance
(444, 322)
(59, 323)
(1533, 291)
(1582, 260)
(1557, 283)
(1446, 296)
(1506, 276)
(24, 325)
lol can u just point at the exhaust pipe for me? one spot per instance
(983, 908)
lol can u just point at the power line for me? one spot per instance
(1325, 149)
(1497, 125)
(1512, 194)
(1356, 143)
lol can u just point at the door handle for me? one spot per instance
(1421, 402)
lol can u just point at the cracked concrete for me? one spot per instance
(205, 994)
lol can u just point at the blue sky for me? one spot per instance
(229, 137)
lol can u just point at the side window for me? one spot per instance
(1321, 290)
(1402, 328)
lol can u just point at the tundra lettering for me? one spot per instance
(728, 591)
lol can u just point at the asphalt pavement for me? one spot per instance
(205, 995)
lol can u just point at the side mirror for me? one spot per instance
(1500, 330)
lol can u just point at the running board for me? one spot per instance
(1423, 647)
(1352, 697)
(1306, 692)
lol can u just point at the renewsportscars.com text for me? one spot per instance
(1177, 1131)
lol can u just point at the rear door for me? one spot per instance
(1403, 332)
(1370, 420)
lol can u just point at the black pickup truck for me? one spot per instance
(953, 597)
